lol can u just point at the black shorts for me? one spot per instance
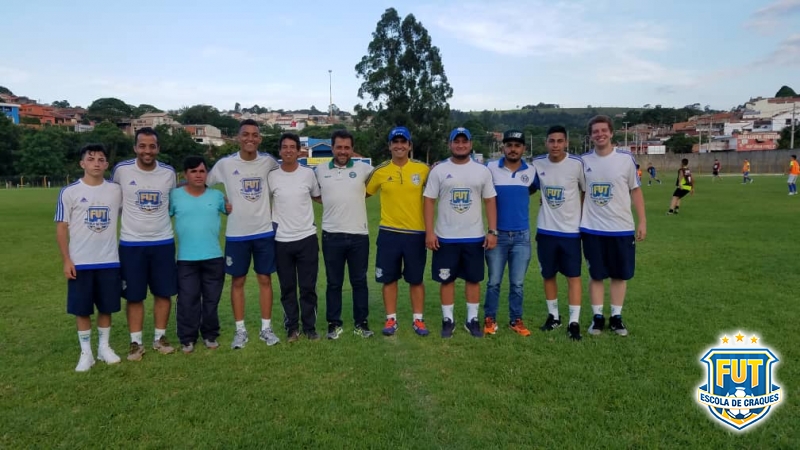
(92, 288)
(239, 253)
(715, 172)
(609, 256)
(148, 265)
(558, 254)
(458, 260)
(400, 254)
(680, 193)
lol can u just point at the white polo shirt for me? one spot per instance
(344, 189)
(560, 185)
(292, 210)
(609, 182)
(145, 203)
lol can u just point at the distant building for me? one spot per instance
(152, 120)
(10, 110)
(82, 128)
(205, 134)
(766, 108)
(757, 141)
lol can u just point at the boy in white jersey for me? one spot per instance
(559, 177)
(458, 239)
(249, 232)
(292, 187)
(146, 245)
(86, 219)
(607, 228)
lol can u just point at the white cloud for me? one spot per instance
(767, 19)
(11, 75)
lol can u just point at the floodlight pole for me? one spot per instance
(626, 135)
(791, 140)
(330, 93)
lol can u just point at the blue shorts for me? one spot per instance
(94, 287)
(558, 254)
(609, 256)
(400, 254)
(239, 253)
(148, 265)
(458, 260)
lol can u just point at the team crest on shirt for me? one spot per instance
(525, 178)
(148, 201)
(352, 175)
(601, 193)
(416, 179)
(554, 195)
(251, 189)
(444, 274)
(98, 218)
(461, 199)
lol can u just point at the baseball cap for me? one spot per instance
(460, 130)
(400, 131)
(514, 135)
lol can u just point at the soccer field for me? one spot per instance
(728, 262)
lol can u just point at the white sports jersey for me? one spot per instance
(460, 188)
(248, 192)
(92, 213)
(145, 203)
(609, 182)
(291, 194)
(344, 189)
(561, 185)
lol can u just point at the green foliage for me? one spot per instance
(45, 152)
(5, 90)
(680, 143)
(30, 121)
(60, 104)
(176, 144)
(144, 109)
(209, 115)
(110, 109)
(785, 91)
(9, 145)
(119, 145)
(786, 137)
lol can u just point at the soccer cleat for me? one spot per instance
(334, 331)
(107, 355)
(420, 328)
(363, 330)
(489, 325)
(615, 324)
(551, 323)
(519, 327)
(187, 348)
(240, 339)
(447, 328)
(294, 336)
(135, 352)
(598, 322)
(85, 362)
(574, 331)
(211, 344)
(163, 347)
(390, 327)
(474, 328)
(312, 335)
(268, 337)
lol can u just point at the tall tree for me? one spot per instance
(680, 143)
(404, 83)
(110, 108)
(5, 90)
(61, 104)
(9, 145)
(144, 109)
(176, 144)
(209, 115)
(785, 91)
(786, 137)
(119, 145)
(44, 153)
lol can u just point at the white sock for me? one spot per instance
(240, 325)
(552, 307)
(417, 316)
(574, 314)
(158, 334)
(103, 334)
(266, 323)
(447, 312)
(391, 316)
(85, 338)
(137, 337)
(472, 311)
(616, 310)
(597, 310)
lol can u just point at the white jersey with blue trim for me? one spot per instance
(145, 203)
(513, 200)
(460, 188)
(560, 184)
(248, 192)
(92, 215)
(609, 182)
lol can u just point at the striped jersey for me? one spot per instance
(513, 200)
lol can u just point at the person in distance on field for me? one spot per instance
(684, 185)
(746, 172)
(716, 169)
(794, 171)
(651, 170)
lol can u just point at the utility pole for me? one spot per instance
(330, 92)
(791, 139)
(626, 135)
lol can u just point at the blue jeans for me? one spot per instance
(339, 249)
(514, 248)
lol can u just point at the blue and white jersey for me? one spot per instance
(460, 189)
(92, 215)
(513, 201)
(560, 184)
(145, 203)
(248, 192)
(609, 182)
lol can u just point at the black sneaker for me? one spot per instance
(574, 331)
(312, 335)
(293, 336)
(447, 328)
(474, 328)
(598, 322)
(551, 324)
(362, 330)
(615, 324)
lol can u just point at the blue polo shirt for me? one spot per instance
(513, 203)
(197, 223)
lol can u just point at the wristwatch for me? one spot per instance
(493, 232)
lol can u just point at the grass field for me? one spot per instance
(728, 262)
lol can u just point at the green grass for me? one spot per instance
(727, 262)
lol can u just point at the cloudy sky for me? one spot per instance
(497, 54)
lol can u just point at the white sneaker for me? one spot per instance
(107, 355)
(85, 363)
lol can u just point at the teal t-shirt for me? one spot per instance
(197, 223)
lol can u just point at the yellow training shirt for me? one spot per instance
(401, 195)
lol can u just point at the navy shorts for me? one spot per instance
(609, 256)
(239, 253)
(458, 260)
(558, 254)
(400, 254)
(680, 193)
(148, 265)
(92, 288)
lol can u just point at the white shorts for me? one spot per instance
(792, 179)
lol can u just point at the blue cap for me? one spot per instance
(400, 131)
(460, 130)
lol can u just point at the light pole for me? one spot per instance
(791, 139)
(626, 135)
(330, 93)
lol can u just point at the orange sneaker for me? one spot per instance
(419, 327)
(489, 326)
(390, 328)
(519, 328)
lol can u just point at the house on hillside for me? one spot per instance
(10, 110)
(153, 120)
(205, 134)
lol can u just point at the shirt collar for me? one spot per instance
(502, 163)
(349, 164)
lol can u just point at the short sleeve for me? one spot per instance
(312, 181)
(432, 187)
(213, 178)
(633, 177)
(172, 203)
(487, 190)
(62, 206)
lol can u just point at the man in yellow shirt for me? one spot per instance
(794, 171)
(746, 172)
(401, 237)
(683, 185)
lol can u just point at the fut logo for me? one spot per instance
(554, 195)
(97, 218)
(460, 199)
(739, 389)
(601, 193)
(416, 179)
(148, 201)
(251, 189)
